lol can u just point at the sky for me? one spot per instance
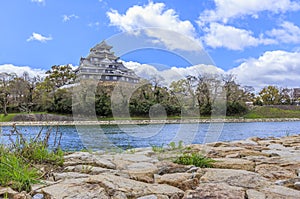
(257, 41)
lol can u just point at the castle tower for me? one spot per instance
(101, 64)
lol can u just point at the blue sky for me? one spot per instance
(258, 41)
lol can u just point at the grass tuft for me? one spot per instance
(17, 169)
(195, 159)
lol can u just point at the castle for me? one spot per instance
(102, 65)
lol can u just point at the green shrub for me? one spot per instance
(194, 159)
(37, 152)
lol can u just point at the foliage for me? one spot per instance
(195, 159)
(236, 108)
(60, 75)
(17, 159)
(188, 97)
(15, 172)
(157, 149)
(172, 145)
(270, 95)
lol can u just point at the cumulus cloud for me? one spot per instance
(228, 9)
(154, 15)
(69, 17)
(20, 70)
(38, 37)
(288, 33)
(219, 35)
(272, 68)
(167, 76)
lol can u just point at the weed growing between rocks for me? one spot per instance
(18, 161)
(195, 159)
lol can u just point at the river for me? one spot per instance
(99, 137)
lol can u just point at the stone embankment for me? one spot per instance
(144, 121)
(249, 169)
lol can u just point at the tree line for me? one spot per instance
(193, 95)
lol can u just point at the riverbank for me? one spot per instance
(254, 169)
(143, 121)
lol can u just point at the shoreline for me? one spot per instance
(141, 122)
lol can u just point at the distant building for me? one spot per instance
(296, 96)
(296, 93)
(101, 64)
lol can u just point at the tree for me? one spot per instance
(61, 75)
(270, 95)
(236, 96)
(5, 79)
(185, 90)
(286, 95)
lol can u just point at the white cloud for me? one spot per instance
(69, 17)
(172, 74)
(39, 37)
(19, 70)
(154, 15)
(39, 1)
(228, 9)
(272, 68)
(288, 33)
(219, 35)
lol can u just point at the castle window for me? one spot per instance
(107, 77)
(115, 78)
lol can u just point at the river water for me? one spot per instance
(126, 136)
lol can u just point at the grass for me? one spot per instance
(195, 159)
(10, 116)
(15, 172)
(271, 112)
(172, 145)
(158, 149)
(18, 160)
(7, 118)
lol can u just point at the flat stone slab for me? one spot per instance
(132, 188)
(239, 178)
(219, 190)
(234, 163)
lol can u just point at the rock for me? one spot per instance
(88, 169)
(22, 195)
(88, 159)
(38, 196)
(141, 171)
(297, 185)
(218, 190)
(234, 163)
(220, 152)
(254, 194)
(239, 178)
(75, 189)
(133, 158)
(132, 188)
(7, 191)
(274, 172)
(148, 197)
(69, 175)
(156, 197)
(165, 167)
(119, 195)
(183, 181)
(279, 192)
